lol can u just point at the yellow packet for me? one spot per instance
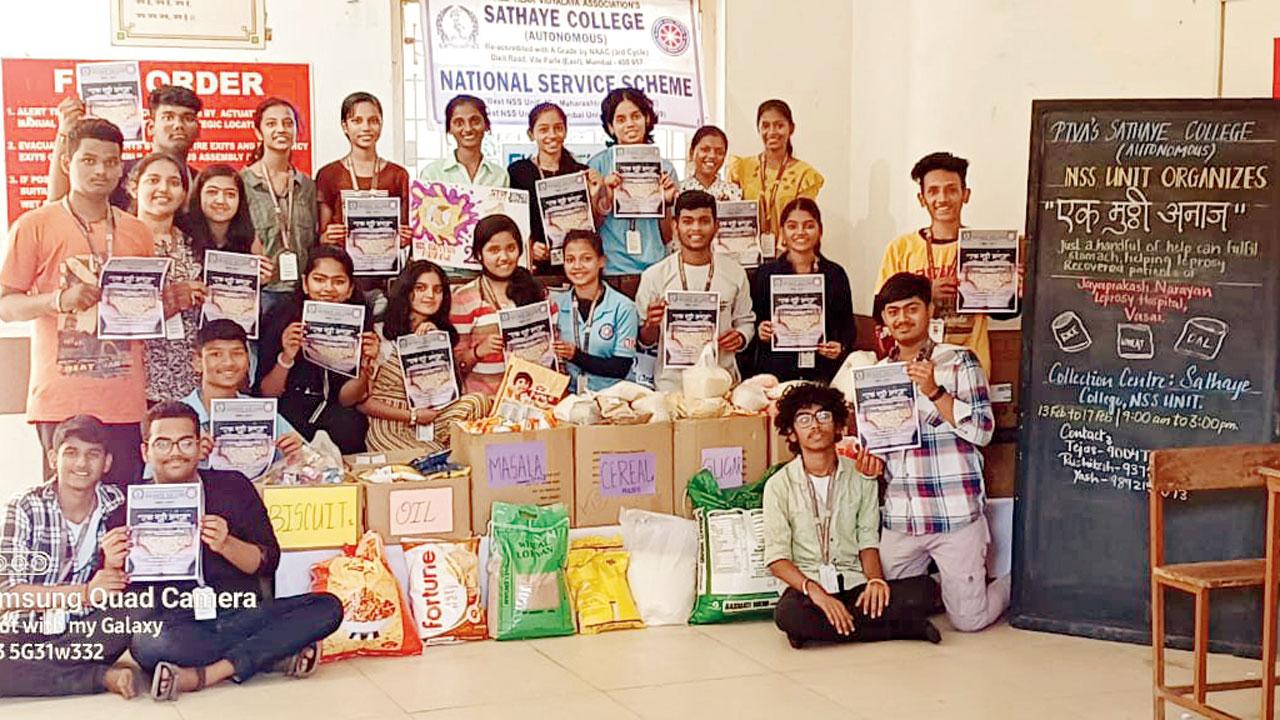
(598, 588)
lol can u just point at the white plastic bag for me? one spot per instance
(750, 395)
(706, 379)
(664, 561)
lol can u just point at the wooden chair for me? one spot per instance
(1196, 470)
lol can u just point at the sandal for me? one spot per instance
(301, 664)
(164, 682)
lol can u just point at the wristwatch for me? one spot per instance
(937, 394)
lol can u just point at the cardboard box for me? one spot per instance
(778, 450)
(735, 449)
(1006, 365)
(307, 517)
(621, 466)
(530, 468)
(431, 508)
(999, 469)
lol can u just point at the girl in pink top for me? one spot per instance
(502, 284)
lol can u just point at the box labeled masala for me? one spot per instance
(534, 467)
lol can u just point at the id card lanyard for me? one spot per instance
(350, 165)
(284, 218)
(766, 222)
(822, 517)
(684, 281)
(584, 343)
(88, 232)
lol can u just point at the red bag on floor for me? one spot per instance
(375, 615)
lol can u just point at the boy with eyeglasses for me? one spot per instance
(249, 634)
(934, 502)
(821, 532)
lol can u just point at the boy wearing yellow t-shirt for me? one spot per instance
(932, 251)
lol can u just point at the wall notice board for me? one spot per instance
(1150, 322)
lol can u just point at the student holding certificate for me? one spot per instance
(596, 324)
(631, 244)
(56, 286)
(697, 269)
(225, 630)
(502, 284)
(802, 229)
(548, 127)
(312, 397)
(934, 499)
(159, 189)
(774, 177)
(217, 218)
(420, 303)
(281, 199)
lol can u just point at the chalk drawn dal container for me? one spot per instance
(1202, 338)
(1070, 332)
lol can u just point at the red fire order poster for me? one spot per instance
(32, 89)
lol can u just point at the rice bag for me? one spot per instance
(733, 581)
(444, 590)
(598, 586)
(706, 379)
(528, 595)
(664, 563)
(375, 615)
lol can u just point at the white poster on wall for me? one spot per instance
(515, 55)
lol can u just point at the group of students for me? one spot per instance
(114, 407)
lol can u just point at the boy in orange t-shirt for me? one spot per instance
(50, 276)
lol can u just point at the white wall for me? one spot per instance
(878, 83)
(348, 44)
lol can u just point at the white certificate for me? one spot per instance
(131, 307)
(113, 91)
(738, 235)
(987, 269)
(527, 332)
(798, 310)
(233, 283)
(427, 364)
(565, 204)
(244, 435)
(640, 195)
(164, 532)
(373, 233)
(331, 335)
(885, 407)
(690, 323)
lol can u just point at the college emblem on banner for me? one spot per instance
(457, 26)
(671, 36)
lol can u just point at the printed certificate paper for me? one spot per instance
(689, 324)
(131, 307)
(739, 231)
(331, 335)
(244, 435)
(885, 407)
(640, 195)
(113, 91)
(427, 364)
(233, 283)
(527, 333)
(373, 233)
(988, 271)
(798, 308)
(164, 530)
(565, 204)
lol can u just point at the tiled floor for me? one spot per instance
(730, 671)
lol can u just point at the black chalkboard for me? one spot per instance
(1150, 322)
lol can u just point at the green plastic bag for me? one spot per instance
(733, 581)
(528, 595)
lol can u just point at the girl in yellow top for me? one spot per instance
(774, 177)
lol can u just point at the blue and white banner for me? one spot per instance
(515, 54)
